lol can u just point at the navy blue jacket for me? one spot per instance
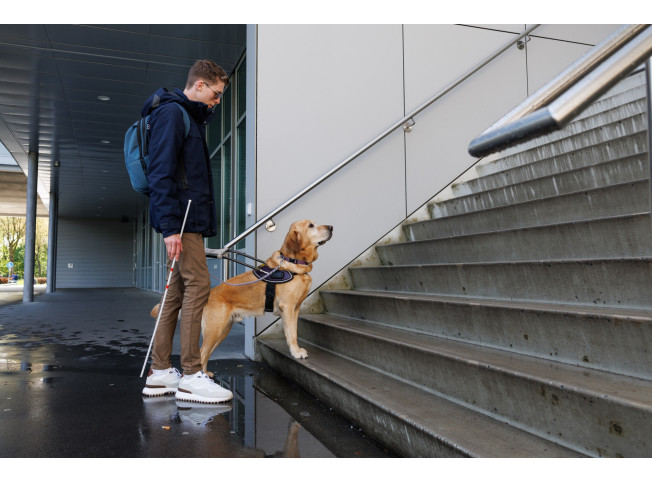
(179, 168)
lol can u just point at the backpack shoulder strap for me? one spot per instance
(186, 118)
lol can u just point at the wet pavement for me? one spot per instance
(70, 387)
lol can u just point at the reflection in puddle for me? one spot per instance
(9, 365)
(57, 403)
(76, 393)
(253, 424)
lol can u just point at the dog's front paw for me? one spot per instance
(298, 352)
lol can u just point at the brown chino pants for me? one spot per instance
(188, 291)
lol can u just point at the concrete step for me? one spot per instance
(593, 412)
(624, 106)
(608, 339)
(628, 149)
(628, 90)
(581, 179)
(605, 127)
(612, 283)
(616, 200)
(613, 237)
(407, 419)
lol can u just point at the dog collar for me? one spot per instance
(293, 260)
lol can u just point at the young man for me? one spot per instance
(179, 171)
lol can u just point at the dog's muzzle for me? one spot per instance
(330, 235)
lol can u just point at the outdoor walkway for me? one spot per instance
(69, 387)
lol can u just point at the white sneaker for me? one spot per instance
(201, 388)
(200, 413)
(163, 384)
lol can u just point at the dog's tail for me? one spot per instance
(155, 309)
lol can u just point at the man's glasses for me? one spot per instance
(218, 95)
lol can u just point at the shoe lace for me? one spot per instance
(202, 374)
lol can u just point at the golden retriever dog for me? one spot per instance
(231, 302)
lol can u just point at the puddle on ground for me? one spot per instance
(85, 401)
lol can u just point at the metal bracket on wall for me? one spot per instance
(407, 127)
(520, 45)
(270, 225)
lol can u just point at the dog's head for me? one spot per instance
(304, 238)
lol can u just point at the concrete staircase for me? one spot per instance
(517, 321)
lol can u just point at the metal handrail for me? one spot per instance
(570, 92)
(406, 119)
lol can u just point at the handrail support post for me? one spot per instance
(648, 83)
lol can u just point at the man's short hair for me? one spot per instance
(206, 70)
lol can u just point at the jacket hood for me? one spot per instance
(198, 110)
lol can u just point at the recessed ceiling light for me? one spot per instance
(105, 141)
(104, 98)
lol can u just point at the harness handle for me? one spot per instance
(261, 279)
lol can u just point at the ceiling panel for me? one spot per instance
(228, 34)
(24, 31)
(50, 80)
(84, 37)
(15, 59)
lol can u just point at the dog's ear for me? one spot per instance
(293, 241)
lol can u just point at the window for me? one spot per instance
(227, 145)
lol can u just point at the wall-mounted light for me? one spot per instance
(105, 141)
(104, 98)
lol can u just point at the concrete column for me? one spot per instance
(52, 240)
(30, 225)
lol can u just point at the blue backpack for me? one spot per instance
(136, 149)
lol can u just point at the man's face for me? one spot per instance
(209, 93)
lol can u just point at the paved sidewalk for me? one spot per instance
(113, 318)
(69, 387)
(12, 292)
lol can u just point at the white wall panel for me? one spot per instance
(434, 58)
(100, 252)
(323, 92)
(555, 47)
(547, 58)
(591, 34)
(436, 55)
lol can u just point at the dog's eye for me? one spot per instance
(311, 225)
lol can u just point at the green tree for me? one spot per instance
(12, 245)
(41, 248)
(12, 232)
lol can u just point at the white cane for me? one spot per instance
(167, 285)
